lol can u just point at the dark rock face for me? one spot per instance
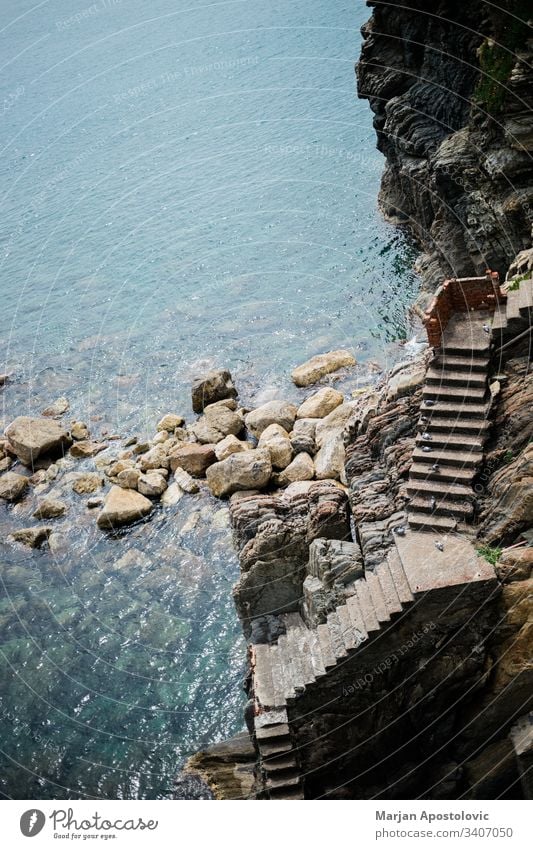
(214, 386)
(458, 166)
(273, 534)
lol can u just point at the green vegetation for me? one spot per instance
(515, 284)
(492, 555)
(497, 55)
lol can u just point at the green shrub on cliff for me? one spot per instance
(497, 55)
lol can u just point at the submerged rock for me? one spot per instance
(122, 507)
(317, 367)
(246, 470)
(214, 386)
(85, 484)
(86, 448)
(33, 537)
(12, 486)
(128, 478)
(273, 412)
(31, 438)
(57, 409)
(50, 508)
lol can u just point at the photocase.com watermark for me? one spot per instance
(65, 825)
(325, 151)
(367, 679)
(32, 822)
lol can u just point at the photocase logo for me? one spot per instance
(32, 822)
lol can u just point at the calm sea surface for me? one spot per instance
(183, 185)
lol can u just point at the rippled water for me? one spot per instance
(183, 185)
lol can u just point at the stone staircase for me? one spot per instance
(283, 670)
(516, 315)
(453, 427)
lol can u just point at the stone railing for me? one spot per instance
(461, 294)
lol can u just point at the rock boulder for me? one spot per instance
(31, 438)
(122, 507)
(243, 471)
(211, 387)
(12, 486)
(273, 412)
(311, 371)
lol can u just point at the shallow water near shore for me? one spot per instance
(181, 188)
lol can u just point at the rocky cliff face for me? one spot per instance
(451, 88)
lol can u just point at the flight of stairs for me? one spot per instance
(516, 315)
(453, 427)
(283, 670)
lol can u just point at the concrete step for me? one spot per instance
(512, 310)
(449, 377)
(451, 441)
(456, 427)
(444, 456)
(454, 409)
(272, 732)
(423, 522)
(378, 599)
(466, 363)
(335, 630)
(388, 589)
(525, 300)
(286, 781)
(399, 577)
(367, 608)
(280, 685)
(464, 335)
(499, 319)
(453, 474)
(444, 507)
(291, 661)
(326, 647)
(349, 635)
(299, 653)
(287, 794)
(279, 764)
(316, 654)
(356, 616)
(465, 395)
(443, 489)
(263, 683)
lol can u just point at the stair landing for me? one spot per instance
(428, 568)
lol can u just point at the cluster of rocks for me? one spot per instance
(232, 448)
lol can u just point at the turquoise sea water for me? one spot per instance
(182, 185)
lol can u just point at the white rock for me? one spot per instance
(185, 481)
(329, 462)
(302, 468)
(320, 404)
(172, 495)
(246, 470)
(230, 445)
(335, 422)
(274, 412)
(315, 368)
(152, 485)
(276, 440)
(122, 507)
